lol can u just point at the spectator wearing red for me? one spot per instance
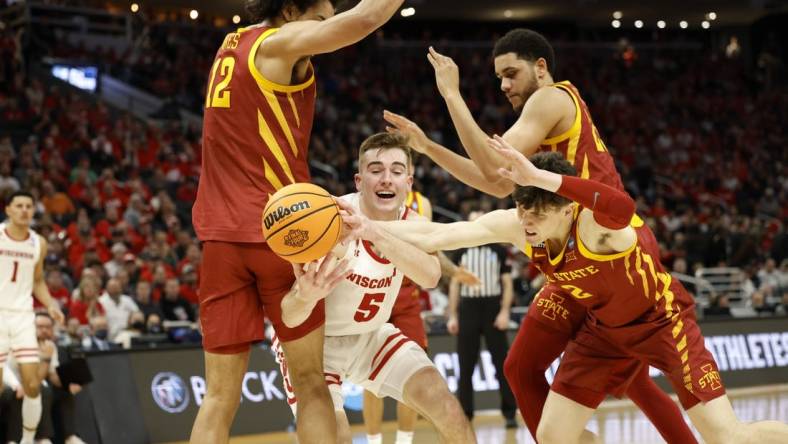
(87, 306)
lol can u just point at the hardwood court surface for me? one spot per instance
(617, 422)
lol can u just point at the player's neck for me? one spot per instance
(17, 232)
(556, 242)
(547, 80)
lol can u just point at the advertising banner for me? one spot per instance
(169, 385)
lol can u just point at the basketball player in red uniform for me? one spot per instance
(553, 117)
(584, 236)
(406, 316)
(259, 108)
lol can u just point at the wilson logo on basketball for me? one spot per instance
(296, 238)
(282, 212)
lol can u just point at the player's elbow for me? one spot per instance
(501, 188)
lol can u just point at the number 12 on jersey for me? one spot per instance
(218, 96)
(369, 307)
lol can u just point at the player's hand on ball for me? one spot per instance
(447, 75)
(318, 278)
(416, 137)
(356, 225)
(521, 171)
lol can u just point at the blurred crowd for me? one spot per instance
(698, 139)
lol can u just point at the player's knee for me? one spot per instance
(32, 388)
(550, 434)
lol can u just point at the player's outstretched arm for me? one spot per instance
(40, 289)
(500, 226)
(462, 168)
(604, 223)
(542, 112)
(422, 268)
(298, 39)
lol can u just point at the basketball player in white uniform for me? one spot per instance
(22, 253)
(360, 346)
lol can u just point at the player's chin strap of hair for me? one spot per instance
(612, 208)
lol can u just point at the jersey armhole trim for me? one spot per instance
(575, 128)
(585, 252)
(269, 85)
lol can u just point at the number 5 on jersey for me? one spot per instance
(218, 96)
(369, 307)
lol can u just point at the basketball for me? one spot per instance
(301, 223)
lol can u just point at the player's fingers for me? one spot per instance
(344, 206)
(432, 61)
(339, 270)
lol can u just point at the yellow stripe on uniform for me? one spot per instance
(585, 174)
(650, 262)
(685, 358)
(682, 343)
(295, 111)
(677, 328)
(576, 124)
(270, 176)
(270, 141)
(262, 82)
(626, 269)
(571, 152)
(641, 271)
(273, 102)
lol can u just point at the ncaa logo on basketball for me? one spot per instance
(282, 212)
(170, 392)
(296, 238)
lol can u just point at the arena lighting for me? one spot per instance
(135, 7)
(661, 24)
(236, 19)
(683, 24)
(712, 16)
(638, 23)
(407, 12)
(508, 13)
(193, 14)
(705, 24)
(617, 15)
(616, 24)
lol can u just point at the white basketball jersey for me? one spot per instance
(17, 268)
(363, 302)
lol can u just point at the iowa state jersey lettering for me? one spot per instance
(615, 288)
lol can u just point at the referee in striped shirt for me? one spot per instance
(483, 311)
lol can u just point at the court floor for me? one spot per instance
(617, 422)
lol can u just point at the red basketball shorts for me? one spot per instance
(406, 315)
(599, 360)
(240, 284)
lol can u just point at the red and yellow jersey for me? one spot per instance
(582, 146)
(255, 139)
(616, 288)
(415, 201)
